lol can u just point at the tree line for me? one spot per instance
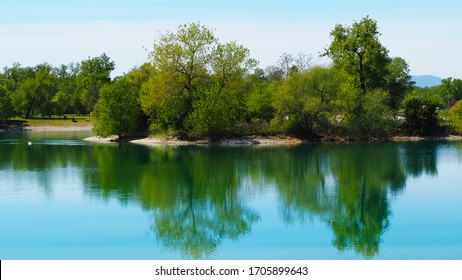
(45, 90)
(196, 86)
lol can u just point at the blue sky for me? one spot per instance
(425, 33)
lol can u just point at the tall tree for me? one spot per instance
(34, 90)
(118, 109)
(94, 73)
(304, 103)
(67, 99)
(184, 55)
(451, 91)
(230, 62)
(192, 69)
(377, 83)
(398, 81)
(180, 60)
(218, 109)
(358, 51)
(6, 109)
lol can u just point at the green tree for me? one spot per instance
(451, 91)
(304, 104)
(456, 117)
(140, 75)
(259, 101)
(230, 63)
(94, 73)
(6, 108)
(180, 60)
(34, 90)
(376, 83)
(376, 119)
(184, 55)
(68, 98)
(398, 82)
(191, 68)
(358, 51)
(218, 109)
(213, 113)
(118, 109)
(421, 116)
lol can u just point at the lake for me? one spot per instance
(63, 198)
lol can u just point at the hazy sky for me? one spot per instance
(427, 34)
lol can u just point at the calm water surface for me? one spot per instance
(63, 198)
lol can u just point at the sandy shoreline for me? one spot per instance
(60, 128)
(273, 140)
(76, 127)
(250, 140)
(253, 140)
(420, 138)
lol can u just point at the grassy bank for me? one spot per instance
(55, 121)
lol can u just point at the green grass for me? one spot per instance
(54, 121)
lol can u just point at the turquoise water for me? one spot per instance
(62, 198)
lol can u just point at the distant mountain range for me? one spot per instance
(426, 80)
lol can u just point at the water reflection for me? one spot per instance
(198, 196)
(192, 193)
(364, 175)
(420, 158)
(195, 198)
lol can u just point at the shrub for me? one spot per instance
(455, 115)
(421, 115)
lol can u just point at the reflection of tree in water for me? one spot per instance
(43, 160)
(205, 207)
(197, 228)
(356, 206)
(300, 174)
(420, 158)
(193, 193)
(364, 175)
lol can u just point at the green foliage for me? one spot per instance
(192, 68)
(180, 60)
(304, 102)
(421, 116)
(230, 62)
(61, 103)
(375, 119)
(118, 110)
(162, 101)
(260, 97)
(212, 114)
(197, 86)
(184, 56)
(376, 83)
(398, 82)
(456, 117)
(45, 90)
(6, 108)
(450, 91)
(34, 90)
(68, 98)
(94, 73)
(357, 50)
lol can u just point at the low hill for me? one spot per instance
(426, 80)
